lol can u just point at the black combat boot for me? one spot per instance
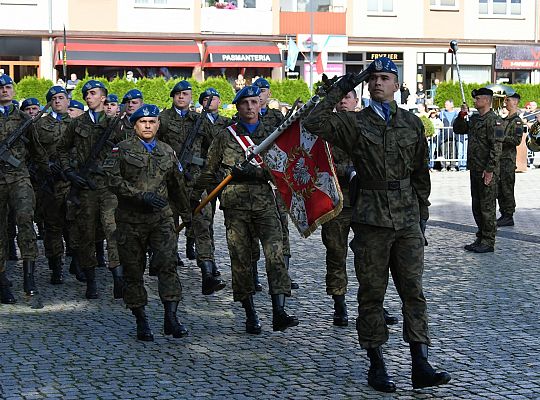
(12, 250)
(340, 310)
(506, 220)
(378, 378)
(423, 374)
(144, 332)
(57, 275)
(6, 297)
(256, 282)
(470, 247)
(389, 319)
(215, 270)
(91, 286)
(191, 254)
(29, 283)
(252, 319)
(280, 319)
(294, 285)
(210, 283)
(100, 254)
(75, 268)
(118, 281)
(171, 325)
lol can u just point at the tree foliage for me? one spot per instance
(31, 86)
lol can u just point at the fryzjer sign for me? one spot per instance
(517, 57)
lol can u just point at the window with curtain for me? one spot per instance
(380, 6)
(499, 7)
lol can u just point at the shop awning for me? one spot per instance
(241, 54)
(129, 53)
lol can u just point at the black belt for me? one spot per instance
(384, 185)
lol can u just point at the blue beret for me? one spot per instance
(383, 64)
(132, 94)
(31, 101)
(482, 92)
(208, 92)
(262, 83)
(15, 103)
(76, 104)
(112, 98)
(182, 85)
(55, 90)
(92, 84)
(146, 110)
(5, 80)
(247, 91)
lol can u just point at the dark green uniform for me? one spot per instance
(16, 191)
(124, 130)
(335, 233)
(50, 131)
(96, 205)
(391, 161)
(131, 171)
(486, 134)
(513, 134)
(247, 206)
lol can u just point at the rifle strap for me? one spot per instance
(247, 144)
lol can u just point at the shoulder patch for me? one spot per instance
(499, 129)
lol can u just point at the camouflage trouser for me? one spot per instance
(284, 218)
(484, 207)
(335, 237)
(71, 225)
(376, 248)
(19, 197)
(266, 225)
(54, 218)
(203, 232)
(133, 240)
(96, 205)
(507, 181)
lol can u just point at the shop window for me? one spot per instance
(380, 6)
(499, 8)
(444, 5)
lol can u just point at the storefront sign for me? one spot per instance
(517, 57)
(262, 58)
(331, 70)
(329, 43)
(396, 56)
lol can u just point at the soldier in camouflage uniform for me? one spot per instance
(271, 119)
(248, 204)
(16, 191)
(50, 130)
(111, 105)
(95, 204)
(144, 174)
(176, 124)
(513, 134)
(390, 157)
(486, 134)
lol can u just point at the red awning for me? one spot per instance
(241, 54)
(129, 53)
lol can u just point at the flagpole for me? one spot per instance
(311, 50)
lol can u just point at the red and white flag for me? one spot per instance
(303, 170)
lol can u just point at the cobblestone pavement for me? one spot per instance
(483, 309)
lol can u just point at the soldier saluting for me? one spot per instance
(389, 151)
(144, 173)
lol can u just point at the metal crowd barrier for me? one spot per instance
(448, 148)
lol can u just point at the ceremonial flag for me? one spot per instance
(303, 171)
(322, 62)
(292, 55)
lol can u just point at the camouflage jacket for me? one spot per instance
(224, 153)
(124, 130)
(21, 151)
(272, 118)
(174, 131)
(343, 165)
(486, 134)
(513, 134)
(80, 137)
(50, 132)
(131, 171)
(391, 161)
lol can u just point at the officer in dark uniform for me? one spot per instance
(390, 155)
(145, 175)
(486, 135)
(176, 124)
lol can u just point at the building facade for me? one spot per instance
(498, 39)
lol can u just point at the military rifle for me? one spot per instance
(18, 134)
(91, 163)
(186, 157)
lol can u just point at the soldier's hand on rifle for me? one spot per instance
(55, 168)
(76, 179)
(154, 201)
